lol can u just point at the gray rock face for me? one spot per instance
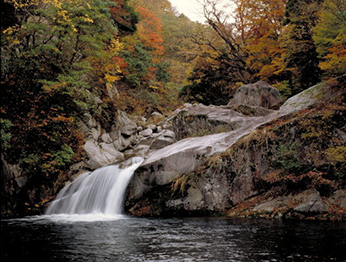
(257, 94)
(100, 155)
(126, 126)
(126, 138)
(177, 162)
(308, 201)
(200, 120)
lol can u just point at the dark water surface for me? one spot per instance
(176, 239)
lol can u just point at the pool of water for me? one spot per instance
(121, 238)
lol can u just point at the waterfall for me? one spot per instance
(99, 192)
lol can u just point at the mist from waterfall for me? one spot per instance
(99, 192)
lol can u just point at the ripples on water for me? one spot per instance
(121, 238)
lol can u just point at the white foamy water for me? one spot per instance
(94, 196)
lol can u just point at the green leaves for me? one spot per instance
(51, 69)
(330, 37)
(5, 135)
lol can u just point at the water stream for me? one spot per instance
(96, 194)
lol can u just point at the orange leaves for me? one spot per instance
(335, 60)
(149, 30)
(264, 22)
(311, 179)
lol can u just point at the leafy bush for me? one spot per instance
(289, 159)
(337, 158)
(5, 135)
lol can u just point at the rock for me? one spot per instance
(246, 152)
(21, 181)
(122, 143)
(141, 150)
(101, 155)
(84, 128)
(257, 94)
(310, 202)
(152, 127)
(338, 198)
(91, 122)
(250, 110)
(306, 202)
(161, 142)
(109, 148)
(126, 126)
(146, 132)
(114, 134)
(242, 187)
(106, 138)
(156, 114)
(270, 206)
(201, 120)
(112, 90)
(95, 133)
(170, 162)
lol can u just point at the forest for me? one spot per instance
(63, 58)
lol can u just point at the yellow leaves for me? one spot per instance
(336, 155)
(111, 78)
(12, 34)
(116, 46)
(22, 4)
(87, 19)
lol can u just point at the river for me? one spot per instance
(122, 238)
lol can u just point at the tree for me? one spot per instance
(124, 16)
(209, 83)
(244, 46)
(262, 27)
(330, 37)
(300, 57)
(234, 55)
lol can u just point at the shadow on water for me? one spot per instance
(175, 239)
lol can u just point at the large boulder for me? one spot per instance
(258, 94)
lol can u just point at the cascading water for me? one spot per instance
(98, 192)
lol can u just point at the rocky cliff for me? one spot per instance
(253, 157)
(268, 163)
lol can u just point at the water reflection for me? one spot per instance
(201, 239)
